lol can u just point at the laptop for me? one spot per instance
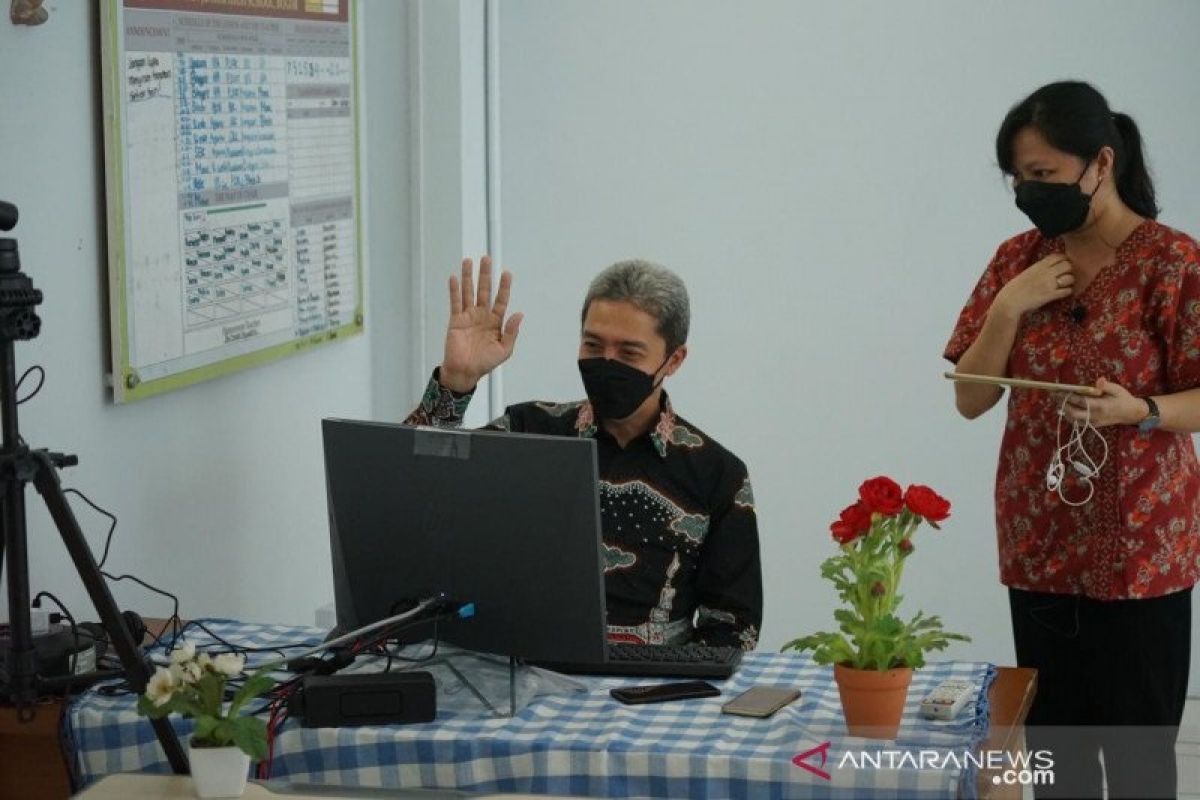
(508, 522)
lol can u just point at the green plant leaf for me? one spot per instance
(828, 648)
(204, 727)
(835, 567)
(250, 734)
(837, 651)
(147, 708)
(187, 703)
(222, 733)
(888, 626)
(805, 642)
(851, 623)
(255, 685)
(210, 691)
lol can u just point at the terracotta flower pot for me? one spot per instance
(872, 701)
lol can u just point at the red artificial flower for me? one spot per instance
(878, 589)
(906, 546)
(854, 521)
(925, 502)
(883, 495)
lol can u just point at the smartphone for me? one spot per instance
(761, 701)
(662, 692)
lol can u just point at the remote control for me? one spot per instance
(947, 699)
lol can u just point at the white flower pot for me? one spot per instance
(219, 771)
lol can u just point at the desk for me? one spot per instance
(589, 745)
(32, 763)
(172, 787)
(1010, 697)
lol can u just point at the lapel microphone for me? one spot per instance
(1078, 313)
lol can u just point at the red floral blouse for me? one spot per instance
(1137, 324)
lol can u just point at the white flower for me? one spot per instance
(229, 664)
(188, 672)
(204, 661)
(160, 686)
(182, 653)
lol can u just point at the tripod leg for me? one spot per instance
(136, 671)
(21, 667)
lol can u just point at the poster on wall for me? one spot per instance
(231, 153)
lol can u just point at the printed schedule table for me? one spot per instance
(234, 210)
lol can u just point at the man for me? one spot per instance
(680, 534)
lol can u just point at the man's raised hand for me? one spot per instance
(478, 338)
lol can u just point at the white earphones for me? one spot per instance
(1075, 453)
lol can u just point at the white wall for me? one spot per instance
(219, 488)
(822, 176)
(450, 190)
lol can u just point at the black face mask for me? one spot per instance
(615, 389)
(1055, 208)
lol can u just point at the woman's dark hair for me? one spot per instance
(1075, 118)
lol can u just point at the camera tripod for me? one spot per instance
(20, 683)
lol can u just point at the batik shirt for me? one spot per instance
(1137, 324)
(677, 513)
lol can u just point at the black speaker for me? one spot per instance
(388, 698)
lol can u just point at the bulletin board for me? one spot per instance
(232, 185)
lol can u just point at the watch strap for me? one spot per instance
(1152, 419)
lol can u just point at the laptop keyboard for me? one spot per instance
(660, 660)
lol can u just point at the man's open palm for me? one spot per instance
(478, 339)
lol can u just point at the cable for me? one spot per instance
(233, 648)
(1074, 454)
(174, 600)
(41, 382)
(355, 634)
(411, 661)
(279, 707)
(173, 622)
(375, 646)
(389, 624)
(279, 715)
(111, 528)
(279, 712)
(156, 639)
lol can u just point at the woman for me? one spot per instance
(1100, 563)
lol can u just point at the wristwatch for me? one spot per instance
(1151, 420)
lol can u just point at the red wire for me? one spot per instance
(275, 720)
(264, 767)
(278, 707)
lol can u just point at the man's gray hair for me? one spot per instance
(650, 287)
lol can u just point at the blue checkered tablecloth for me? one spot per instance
(586, 743)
